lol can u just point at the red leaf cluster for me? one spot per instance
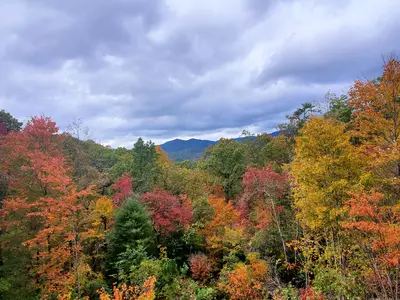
(264, 182)
(169, 213)
(309, 293)
(262, 187)
(122, 188)
(200, 266)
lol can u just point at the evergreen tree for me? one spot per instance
(132, 231)
(144, 165)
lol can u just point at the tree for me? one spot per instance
(144, 168)
(279, 151)
(224, 230)
(3, 129)
(132, 229)
(338, 107)
(264, 189)
(200, 266)
(122, 188)
(379, 225)
(298, 119)
(376, 105)
(27, 156)
(8, 123)
(125, 292)
(226, 161)
(246, 281)
(123, 164)
(44, 202)
(169, 213)
(99, 222)
(326, 166)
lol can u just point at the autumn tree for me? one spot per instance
(379, 226)
(224, 230)
(45, 203)
(124, 292)
(376, 105)
(246, 281)
(200, 266)
(99, 223)
(122, 188)
(326, 166)
(265, 191)
(169, 213)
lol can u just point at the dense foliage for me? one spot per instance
(313, 213)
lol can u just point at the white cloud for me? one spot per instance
(181, 68)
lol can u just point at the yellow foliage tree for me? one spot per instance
(325, 168)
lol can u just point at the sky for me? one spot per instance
(185, 68)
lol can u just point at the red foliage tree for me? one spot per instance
(32, 159)
(309, 293)
(169, 213)
(44, 203)
(263, 189)
(261, 185)
(200, 266)
(122, 188)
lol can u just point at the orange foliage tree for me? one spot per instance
(224, 231)
(379, 225)
(377, 113)
(44, 203)
(131, 292)
(247, 281)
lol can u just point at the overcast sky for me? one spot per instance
(180, 68)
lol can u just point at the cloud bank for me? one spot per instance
(179, 68)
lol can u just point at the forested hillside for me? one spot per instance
(193, 149)
(313, 213)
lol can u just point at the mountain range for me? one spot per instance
(193, 149)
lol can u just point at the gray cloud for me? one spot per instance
(178, 68)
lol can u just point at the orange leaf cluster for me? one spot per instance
(131, 292)
(379, 222)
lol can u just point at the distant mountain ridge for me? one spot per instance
(192, 149)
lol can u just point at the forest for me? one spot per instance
(313, 213)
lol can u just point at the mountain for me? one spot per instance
(193, 149)
(180, 150)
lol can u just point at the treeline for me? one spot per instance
(311, 214)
